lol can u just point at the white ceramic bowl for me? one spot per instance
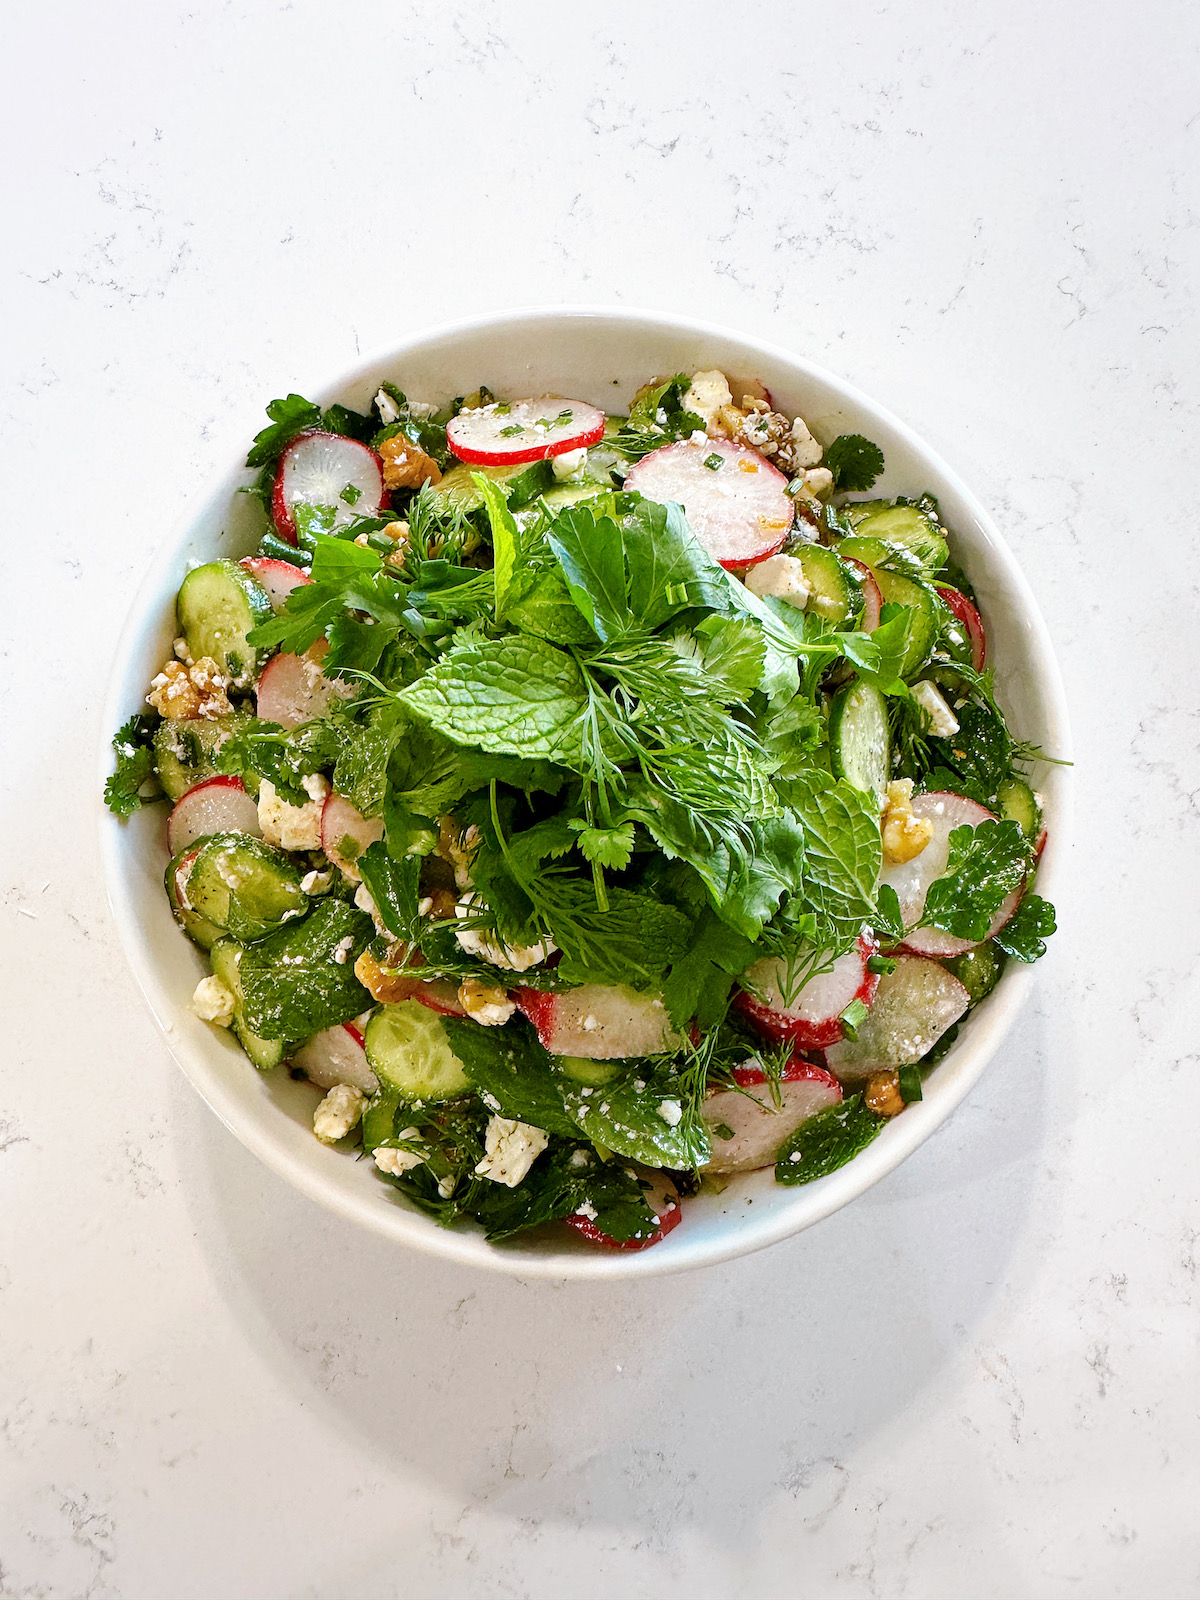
(601, 355)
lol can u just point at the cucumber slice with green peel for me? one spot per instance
(834, 592)
(911, 529)
(408, 1051)
(926, 615)
(184, 750)
(197, 928)
(1016, 800)
(520, 484)
(264, 1053)
(218, 605)
(583, 1071)
(379, 1119)
(978, 970)
(859, 745)
(244, 887)
(570, 494)
(856, 511)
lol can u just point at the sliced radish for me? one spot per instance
(440, 995)
(217, 805)
(971, 621)
(872, 598)
(293, 689)
(346, 833)
(325, 469)
(278, 578)
(812, 1017)
(337, 1055)
(748, 1129)
(599, 1023)
(914, 1005)
(528, 430)
(738, 507)
(663, 1199)
(912, 879)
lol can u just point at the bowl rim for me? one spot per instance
(966, 1061)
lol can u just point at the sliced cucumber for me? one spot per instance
(909, 528)
(1016, 800)
(978, 970)
(409, 1052)
(218, 604)
(521, 483)
(196, 927)
(379, 1119)
(184, 750)
(925, 620)
(245, 887)
(593, 1072)
(856, 511)
(835, 593)
(859, 746)
(264, 1053)
(570, 494)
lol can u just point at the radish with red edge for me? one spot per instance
(527, 430)
(914, 1005)
(912, 879)
(217, 805)
(599, 1022)
(971, 621)
(346, 833)
(276, 578)
(736, 503)
(337, 1055)
(872, 598)
(812, 1016)
(328, 470)
(292, 689)
(747, 1125)
(663, 1199)
(440, 995)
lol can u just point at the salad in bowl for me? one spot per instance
(587, 809)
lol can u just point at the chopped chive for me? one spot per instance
(713, 461)
(853, 1018)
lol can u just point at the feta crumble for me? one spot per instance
(291, 827)
(396, 1162)
(782, 576)
(671, 1112)
(510, 1148)
(213, 1002)
(943, 724)
(338, 1113)
(486, 943)
(569, 464)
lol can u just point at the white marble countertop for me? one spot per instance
(981, 1380)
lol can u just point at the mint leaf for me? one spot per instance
(1024, 937)
(512, 1072)
(633, 1116)
(854, 461)
(301, 979)
(135, 763)
(827, 1141)
(843, 849)
(984, 866)
(394, 886)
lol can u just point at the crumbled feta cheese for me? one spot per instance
(487, 944)
(510, 1148)
(580, 1158)
(387, 408)
(782, 576)
(182, 652)
(671, 1112)
(707, 393)
(315, 785)
(943, 724)
(806, 452)
(588, 1210)
(213, 1002)
(459, 850)
(817, 483)
(316, 882)
(568, 464)
(589, 1022)
(365, 901)
(342, 949)
(395, 1162)
(338, 1113)
(290, 827)
(485, 1003)
(446, 1187)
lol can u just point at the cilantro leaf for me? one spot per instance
(854, 461)
(289, 417)
(699, 982)
(606, 847)
(1024, 937)
(984, 866)
(827, 1141)
(135, 763)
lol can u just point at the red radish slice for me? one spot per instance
(217, 805)
(293, 689)
(738, 508)
(914, 1005)
(911, 879)
(277, 578)
(528, 430)
(346, 833)
(599, 1022)
(971, 621)
(811, 1018)
(325, 469)
(1039, 844)
(663, 1199)
(440, 995)
(337, 1055)
(872, 598)
(748, 1129)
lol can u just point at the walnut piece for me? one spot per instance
(904, 835)
(882, 1093)
(405, 464)
(181, 691)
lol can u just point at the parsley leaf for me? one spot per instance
(985, 865)
(606, 847)
(854, 461)
(1025, 936)
(827, 1141)
(289, 417)
(135, 763)
(592, 556)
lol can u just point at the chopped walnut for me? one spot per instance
(384, 983)
(405, 464)
(904, 834)
(486, 1003)
(198, 690)
(882, 1093)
